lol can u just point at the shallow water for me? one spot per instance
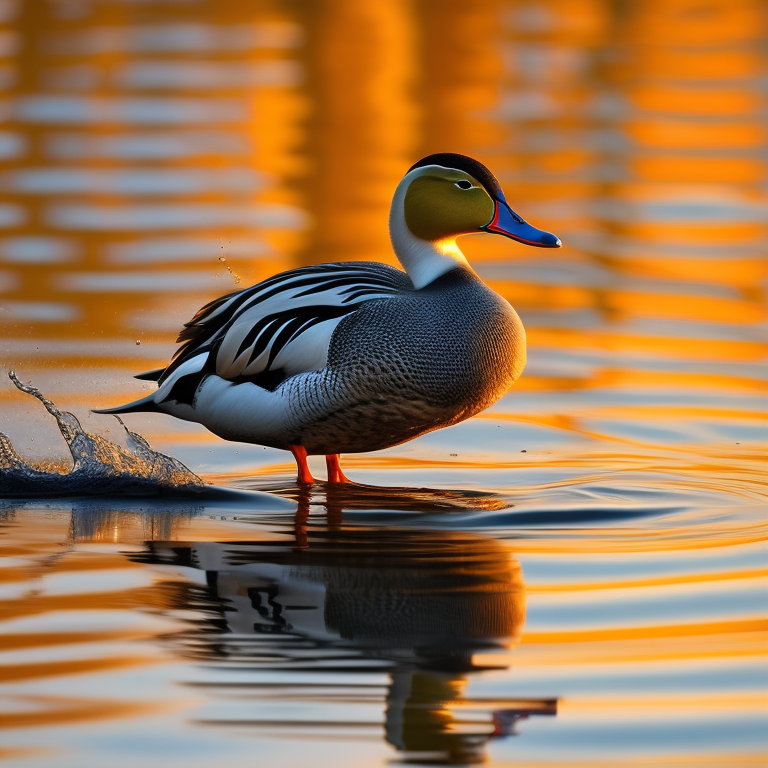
(577, 577)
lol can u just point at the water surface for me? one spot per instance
(575, 577)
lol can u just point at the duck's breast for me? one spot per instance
(451, 349)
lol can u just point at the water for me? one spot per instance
(577, 576)
(99, 466)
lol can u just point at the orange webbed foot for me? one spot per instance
(335, 475)
(300, 454)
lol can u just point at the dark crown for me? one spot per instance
(463, 163)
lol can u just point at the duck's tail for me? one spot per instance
(144, 404)
(153, 375)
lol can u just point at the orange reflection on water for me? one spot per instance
(687, 348)
(667, 133)
(683, 23)
(665, 581)
(58, 711)
(635, 706)
(626, 378)
(593, 542)
(37, 648)
(690, 642)
(32, 605)
(44, 670)
(724, 170)
(667, 760)
(359, 64)
(683, 99)
(634, 132)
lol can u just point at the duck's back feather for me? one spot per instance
(279, 327)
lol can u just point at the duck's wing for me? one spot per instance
(277, 328)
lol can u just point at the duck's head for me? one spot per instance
(442, 197)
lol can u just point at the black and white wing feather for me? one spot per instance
(279, 327)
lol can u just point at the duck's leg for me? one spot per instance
(335, 475)
(300, 454)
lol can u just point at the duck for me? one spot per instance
(352, 357)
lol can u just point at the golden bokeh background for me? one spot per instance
(158, 153)
(143, 142)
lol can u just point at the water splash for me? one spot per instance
(100, 467)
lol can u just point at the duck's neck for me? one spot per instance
(423, 260)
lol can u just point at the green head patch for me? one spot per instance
(443, 203)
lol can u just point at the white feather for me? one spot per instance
(234, 360)
(235, 411)
(308, 351)
(193, 365)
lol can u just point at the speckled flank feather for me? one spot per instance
(400, 392)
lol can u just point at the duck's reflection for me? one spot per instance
(427, 607)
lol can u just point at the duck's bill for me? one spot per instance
(506, 222)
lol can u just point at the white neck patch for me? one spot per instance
(423, 260)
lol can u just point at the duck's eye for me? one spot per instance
(463, 184)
